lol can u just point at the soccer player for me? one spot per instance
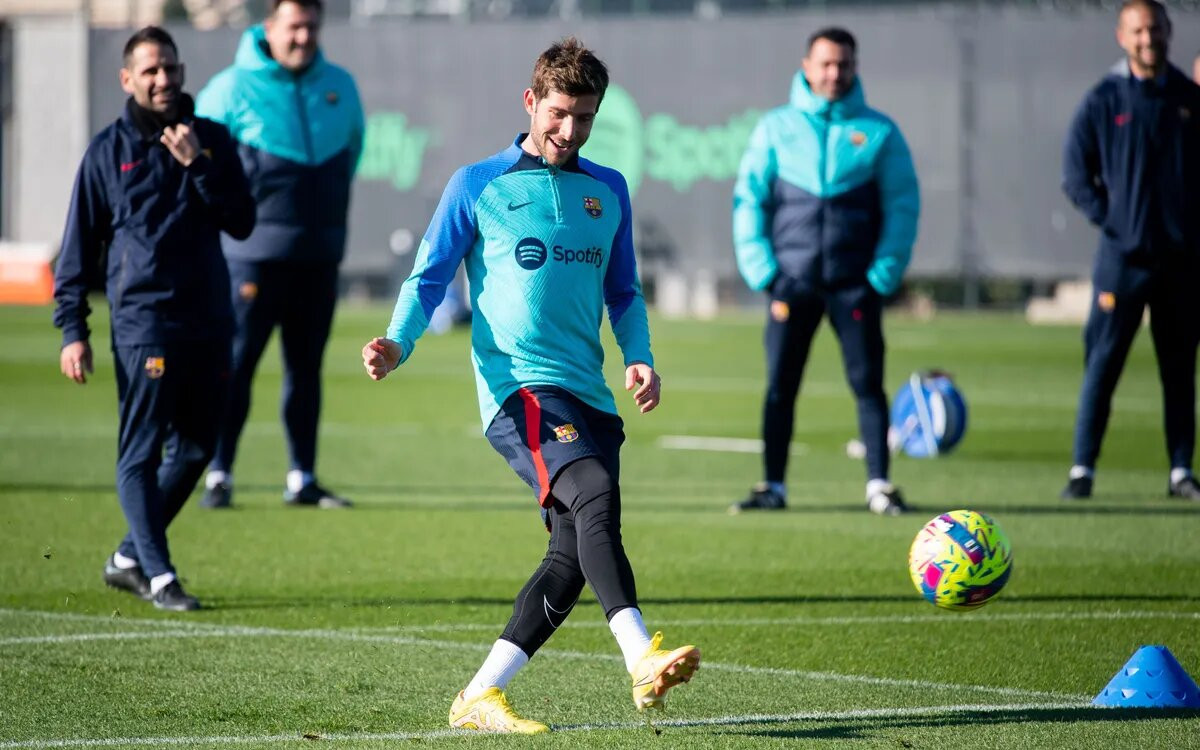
(299, 125)
(156, 188)
(1131, 165)
(547, 241)
(824, 217)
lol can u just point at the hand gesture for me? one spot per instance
(649, 385)
(75, 361)
(182, 142)
(380, 356)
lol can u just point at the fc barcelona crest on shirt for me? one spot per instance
(593, 207)
(566, 433)
(155, 367)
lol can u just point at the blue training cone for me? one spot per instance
(1152, 678)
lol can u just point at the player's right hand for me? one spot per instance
(75, 361)
(380, 356)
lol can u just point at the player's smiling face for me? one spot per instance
(559, 124)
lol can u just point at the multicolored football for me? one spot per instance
(960, 560)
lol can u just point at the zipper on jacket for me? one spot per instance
(304, 128)
(120, 295)
(552, 175)
(827, 119)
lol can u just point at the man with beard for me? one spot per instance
(547, 241)
(299, 125)
(824, 218)
(155, 189)
(1132, 166)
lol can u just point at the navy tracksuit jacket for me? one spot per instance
(1132, 166)
(168, 292)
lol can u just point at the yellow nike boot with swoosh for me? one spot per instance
(659, 670)
(490, 711)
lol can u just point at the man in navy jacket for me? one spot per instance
(1132, 166)
(155, 190)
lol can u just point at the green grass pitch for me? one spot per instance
(357, 628)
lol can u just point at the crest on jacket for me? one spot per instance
(155, 367)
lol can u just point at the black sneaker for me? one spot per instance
(172, 597)
(220, 496)
(315, 494)
(761, 497)
(1078, 488)
(1187, 488)
(132, 579)
(887, 502)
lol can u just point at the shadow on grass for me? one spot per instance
(309, 602)
(868, 727)
(498, 497)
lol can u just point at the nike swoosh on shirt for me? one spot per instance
(514, 206)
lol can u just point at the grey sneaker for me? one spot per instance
(172, 597)
(314, 494)
(220, 496)
(761, 497)
(1078, 488)
(1187, 488)
(132, 579)
(887, 503)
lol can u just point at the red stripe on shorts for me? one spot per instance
(533, 439)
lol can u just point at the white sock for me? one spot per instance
(1080, 472)
(876, 486)
(158, 583)
(779, 488)
(298, 480)
(500, 666)
(1178, 474)
(217, 477)
(629, 630)
(123, 562)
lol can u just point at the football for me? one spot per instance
(960, 560)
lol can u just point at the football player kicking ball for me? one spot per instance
(547, 241)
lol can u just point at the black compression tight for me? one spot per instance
(585, 547)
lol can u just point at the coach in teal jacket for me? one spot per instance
(824, 218)
(299, 126)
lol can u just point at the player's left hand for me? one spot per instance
(182, 142)
(649, 385)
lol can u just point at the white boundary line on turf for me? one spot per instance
(711, 721)
(720, 444)
(79, 637)
(969, 618)
(199, 630)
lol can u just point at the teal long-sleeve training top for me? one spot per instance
(546, 250)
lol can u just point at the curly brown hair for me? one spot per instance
(569, 68)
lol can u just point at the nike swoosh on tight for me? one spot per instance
(548, 609)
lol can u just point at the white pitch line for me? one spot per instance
(720, 444)
(341, 635)
(710, 721)
(102, 637)
(965, 618)
(109, 619)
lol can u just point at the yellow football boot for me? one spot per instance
(660, 670)
(491, 712)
